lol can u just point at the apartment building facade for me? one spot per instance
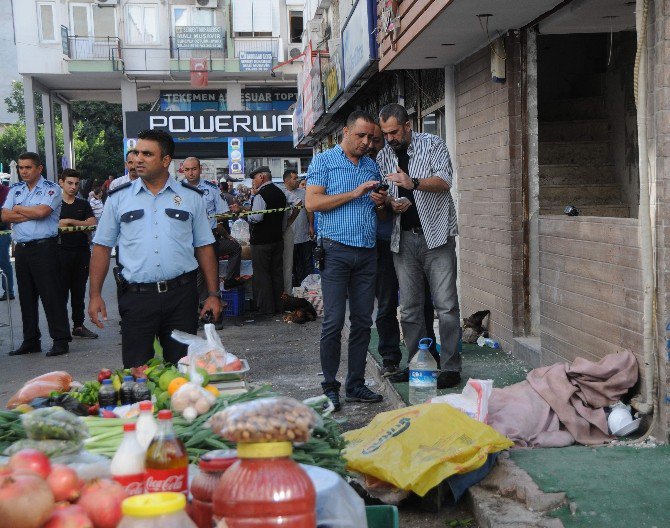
(200, 64)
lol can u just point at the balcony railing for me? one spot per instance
(267, 44)
(96, 48)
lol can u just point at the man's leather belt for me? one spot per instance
(162, 286)
(37, 241)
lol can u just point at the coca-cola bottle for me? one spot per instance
(166, 462)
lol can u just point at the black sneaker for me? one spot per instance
(84, 332)
(363, 394)
(334, 396)
(389, 369)
(448, 379)
(402, 376)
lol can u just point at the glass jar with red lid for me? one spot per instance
(212, 466)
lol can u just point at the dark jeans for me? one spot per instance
(6, 264)
(439, 266)
(147, 315)
(302, 261)
(74, 270)
(348, 271)
(268, 282)
(233, 250)
(38, 276)
(386, 322)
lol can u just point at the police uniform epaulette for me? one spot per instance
(16, 184)
(212, 184)
(122, 186)
(189, 186)
(50, 183)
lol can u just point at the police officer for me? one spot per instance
(158, 222)
(33, 207)
(215, 204)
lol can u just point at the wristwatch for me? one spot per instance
(415, 183)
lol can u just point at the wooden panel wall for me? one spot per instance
(489, 214)
(590, 287)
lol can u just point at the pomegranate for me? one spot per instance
(64, 483)
(101, 499)
(70, 516)
(32, 460)
(25, 501)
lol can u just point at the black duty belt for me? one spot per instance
(162, 286)
(37, 241)
(416, 230)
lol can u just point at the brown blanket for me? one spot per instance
(563, 403)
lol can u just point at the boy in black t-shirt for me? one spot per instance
(73, 249)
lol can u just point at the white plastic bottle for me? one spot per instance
(146, 424)
(128, 463)
(422, 374)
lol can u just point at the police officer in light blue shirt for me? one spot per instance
(163, 235)
(33, 208)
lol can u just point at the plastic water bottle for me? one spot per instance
(422, 374)
(488, 342)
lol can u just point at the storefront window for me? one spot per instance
(433, 123)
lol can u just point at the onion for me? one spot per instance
(101, 499)
(32, 460)
(70, 516)
(64, 483)
(25, 501)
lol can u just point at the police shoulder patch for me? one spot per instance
(117, 189)
(189, 186)
(16, 184)
(211, 184)
(50, 183)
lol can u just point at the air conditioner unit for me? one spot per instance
(102, 3)
(294, 51)
(211, 4)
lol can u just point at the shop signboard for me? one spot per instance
(268, 98)
(359, 48)
(255, 60)
(298, 133)
(192, 100)
(236, 156)
(306, 83)
(199, 37)
(317, 88)
(214, 126)
(332, 77)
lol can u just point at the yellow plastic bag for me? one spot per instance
(417, 447)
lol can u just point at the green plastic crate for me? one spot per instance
(383, 516)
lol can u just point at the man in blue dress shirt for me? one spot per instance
(159, 224)
(33, 207)
(340, 182)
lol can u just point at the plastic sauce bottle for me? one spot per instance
(265, 487)
(166, 462)
(212, 466)
(127, 390)
(487, 342)
(107, 395)
(128, 463)
(155, 510)
(141, 390)
(422, 374)
(146, 425)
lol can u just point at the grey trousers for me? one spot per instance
(268, 282)
(439, 267)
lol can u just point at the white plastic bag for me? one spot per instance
(208, 354)
(473, 401)
(240, 231)
(311, 283)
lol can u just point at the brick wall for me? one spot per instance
(490, 241)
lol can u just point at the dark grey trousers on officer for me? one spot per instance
(152, 310)
(38, 276)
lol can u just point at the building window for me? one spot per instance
(88, 20)
(433, 123)
(47, 21)
(252, 18)
(190, 16)
(142, 24)
(295, 26)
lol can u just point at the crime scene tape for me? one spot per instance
(223, 216)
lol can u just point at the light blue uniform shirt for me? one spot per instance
(354, 223)
(156, 234)
(214, 204)
(44, 193)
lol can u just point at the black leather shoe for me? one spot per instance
(4, 297)
(58, 350)
(401, 376)
(448, 379)
(26, 348)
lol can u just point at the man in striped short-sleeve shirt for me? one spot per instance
(418, 168)
(340, 182)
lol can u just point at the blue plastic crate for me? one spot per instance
(235, 302)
